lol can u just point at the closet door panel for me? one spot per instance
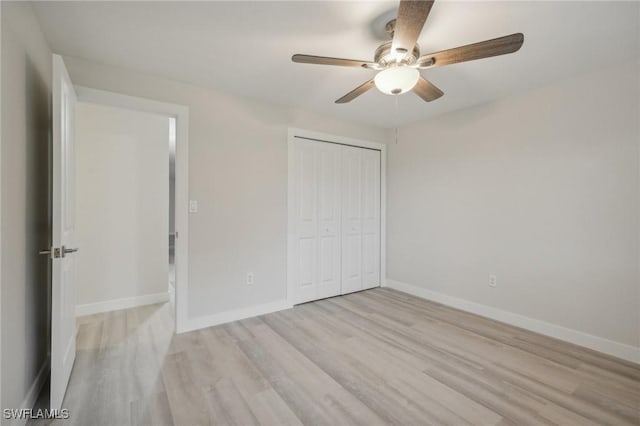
(352, 187)
(306, 241)
(370, 219)
(329, 232)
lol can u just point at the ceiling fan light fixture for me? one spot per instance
(396, 80)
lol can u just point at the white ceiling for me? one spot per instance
(245, 47)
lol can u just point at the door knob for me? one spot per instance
(53, 252)
(56, 252)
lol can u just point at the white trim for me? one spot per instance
(235, 315)
(181, 114)
(1, 143)
(33, 393)
(325, 137)
(124, 303)
(600, 344)
(291, 212)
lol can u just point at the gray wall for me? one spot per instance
(238, 173)
(541, 189)
(26, 92)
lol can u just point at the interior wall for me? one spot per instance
(122, 175)
(541, 189)
(26, 119)
(238, 174)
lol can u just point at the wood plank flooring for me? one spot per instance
(371, 358)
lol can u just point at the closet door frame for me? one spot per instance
(295, 133)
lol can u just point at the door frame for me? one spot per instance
(181, 114)
(339, 140)
(1, 143)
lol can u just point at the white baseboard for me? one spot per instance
(600, 344)
(233, 315)
(117, 304)
(33, 393)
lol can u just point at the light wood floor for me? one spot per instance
(375, 357)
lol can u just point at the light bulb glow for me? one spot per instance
(396, 80)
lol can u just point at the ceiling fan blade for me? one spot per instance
(484, 49)
(323, 60)
(412, 15)
(356, 92)
(427, 90)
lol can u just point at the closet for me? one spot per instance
(334, 219)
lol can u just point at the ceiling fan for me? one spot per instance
(398, 61)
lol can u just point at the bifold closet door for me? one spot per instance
(317, 237)
(360, 219)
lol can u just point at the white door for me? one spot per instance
(352, 186)
(329, 233)
(305, 222)
(63, 322)
(316, 200)
(360, 219)
(370, 218)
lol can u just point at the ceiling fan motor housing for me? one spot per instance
(385, 57)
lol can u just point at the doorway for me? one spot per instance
(124, 222)
(63, 250)
(177, 117)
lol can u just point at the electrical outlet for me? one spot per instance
(249, 278)
(493, 280)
